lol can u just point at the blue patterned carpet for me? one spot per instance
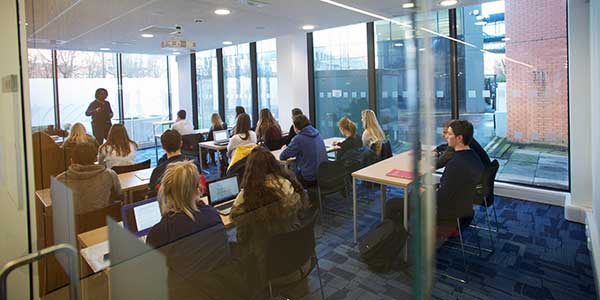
(538, 255)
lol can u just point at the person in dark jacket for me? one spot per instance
(352, 141)
(291, 133)
(308, 148)
(444, 153)
(101, 114)
(171, 143)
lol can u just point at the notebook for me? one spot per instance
(401, 174)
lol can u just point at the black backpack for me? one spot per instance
(380, 247)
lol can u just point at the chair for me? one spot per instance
(386, 150)
(130, 168)
(461, 224)
(287, 253)
(485, 198)
(331, 178)
(190, 144)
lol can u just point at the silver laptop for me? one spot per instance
(222, 192)
(221, 137)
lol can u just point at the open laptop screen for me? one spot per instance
(139, 217)
(220, 135)
(222, 190)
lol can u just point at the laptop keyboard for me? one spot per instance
(225, 208)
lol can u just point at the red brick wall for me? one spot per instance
(537, 98)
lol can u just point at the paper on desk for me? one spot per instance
(94, 256)
(144, 174)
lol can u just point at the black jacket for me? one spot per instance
(160, 169)
(352, 142)
(291, 135)
(99, 117)
(445, 154)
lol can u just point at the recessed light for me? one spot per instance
(398, 44)
(147, 35)
(308, 27)
(505, 39)
(408, 5)
(227, 43)
(176, 53)
(448, 2)
(222, 12)
(104, 49)
(421, 49)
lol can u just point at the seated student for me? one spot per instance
(238, 111)
(94, 186)
(268, 130)
(291, 133)
(456, 190)
(171, 142)
(182, 125)
(78, 135)
(373, 135)
(308, 148)
(271, 201)
(216, 125)
(444, 152)
(242, 134)
(118, 150)
(352, 141)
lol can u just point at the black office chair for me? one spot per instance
(130, 168)
(485, 198)
(190, 144)
(450, 232)
(331, 178)
(288, 252)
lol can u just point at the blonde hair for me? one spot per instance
(78, 134)
(372, 126)
(179, 189)
(215, 120)
(347, 125)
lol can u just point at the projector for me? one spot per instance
(177, 42)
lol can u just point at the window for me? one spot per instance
(341, 84)
(237, 84)
(393, 44)
(145, 94)
(516, 92)
(208, 86)
(41, 89)
(266, 58)
(80, 73)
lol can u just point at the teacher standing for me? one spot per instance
(101, 114)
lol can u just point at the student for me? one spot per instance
(118, 150)
(186, 218)
(101, 114)
(271, 202)
(182, 125)
(308, 148)
(373, 135)
(242, 134)
(444, 152)
(238, 111)
(291, 133)
(268, 130)
(94, 186)
(352, 141)
(78, 135)
(456, 190)
(216, 125)
(171, 142)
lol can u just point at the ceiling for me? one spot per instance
(116, 24)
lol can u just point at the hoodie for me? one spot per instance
(309, 149)
(94, 186)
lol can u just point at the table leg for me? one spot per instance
(382, 196)
(354, 207)
(406, 220)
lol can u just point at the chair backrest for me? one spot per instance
(190, 142)
(359, 158)
(491, 171)
(331, 175)
(130, 168)
(95, 219)
(386, 150)
(287, 252)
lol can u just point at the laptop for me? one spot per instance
(221, 137)
(139, 217)
(222, 192)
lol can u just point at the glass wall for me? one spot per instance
(266, 58)
(237, 83)
(341, 84)
(515, 92)
(393, 44)
(208, 86)
(41, 89)
(80, 73)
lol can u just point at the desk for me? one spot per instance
(329, 147)
(203, 131)
(376, 173)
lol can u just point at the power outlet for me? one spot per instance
(9, 84)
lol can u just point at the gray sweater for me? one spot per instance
(94, 186)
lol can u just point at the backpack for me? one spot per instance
(380, 247)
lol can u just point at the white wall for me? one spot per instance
(13, 203)
(595, 106)
(580, 111)
(292, 77)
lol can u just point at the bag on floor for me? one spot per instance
(380, 247)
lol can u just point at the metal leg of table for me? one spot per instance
(405, 221)
(382, 196)
(354, 208)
